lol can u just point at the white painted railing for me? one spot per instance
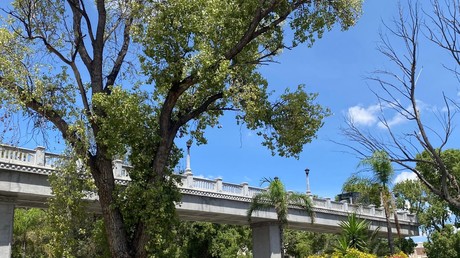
(37, 157)
(40, 159)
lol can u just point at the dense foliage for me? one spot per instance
(303, 243)
(71, 67)
(29, 233)
(444, 243)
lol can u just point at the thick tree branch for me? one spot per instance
(121, 54)
(198, 111)
(87, 20)
(252, 32)
(78, 34)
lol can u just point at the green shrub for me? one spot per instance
(350, 253)
(398, 255)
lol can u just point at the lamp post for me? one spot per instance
(307, 172)
(187, 168)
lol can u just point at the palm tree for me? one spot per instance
(277, 197)
(380, 164)
(355, 234)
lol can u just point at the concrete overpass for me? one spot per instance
(24, 183)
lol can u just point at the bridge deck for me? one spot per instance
(24, 182)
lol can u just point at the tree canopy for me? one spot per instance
(122, 78)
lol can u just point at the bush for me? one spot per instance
(398, 255)
(350, 253)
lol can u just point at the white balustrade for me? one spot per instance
(232, 188)
(204, 184)
(320, 203)
(366, 210)
(379, 212)
(17, 155)
(52, 160)
(254, 190)
(336, 205)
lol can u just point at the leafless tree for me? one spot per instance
(439, 26)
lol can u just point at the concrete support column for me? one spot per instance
(6, 228)
(266, 242)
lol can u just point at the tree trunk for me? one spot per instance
(102, 172)
(24, 246)
(281, 226)
(160, 163)
(389, 233)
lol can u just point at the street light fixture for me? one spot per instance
(307, 172)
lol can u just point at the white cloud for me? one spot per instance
(210, 177)
(364, 116)
(405, 175)
(395, 120)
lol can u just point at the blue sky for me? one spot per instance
(335, 67)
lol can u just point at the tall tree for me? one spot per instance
(437, 26)
(434, 212)
(278, 198)
(64, 63)
(381, 167)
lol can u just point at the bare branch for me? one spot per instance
(401, 87)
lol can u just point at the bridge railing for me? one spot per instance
(39, 158)
(36, 157)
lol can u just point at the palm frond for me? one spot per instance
(260, 201)
(278, 198)
(304, 201)
(380, 164)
